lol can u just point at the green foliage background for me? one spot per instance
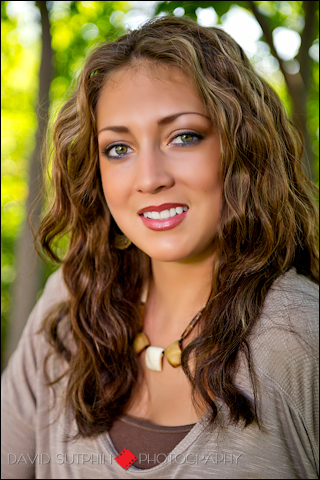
(75, 27)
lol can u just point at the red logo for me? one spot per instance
(125, 458)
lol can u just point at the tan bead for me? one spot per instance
(173, 354)
(140, 342)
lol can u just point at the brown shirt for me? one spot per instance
(150, 443)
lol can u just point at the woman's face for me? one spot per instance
(160, 157)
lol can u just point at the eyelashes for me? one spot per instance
(118, 151)
(195, 137)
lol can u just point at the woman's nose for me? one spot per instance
(152, 171)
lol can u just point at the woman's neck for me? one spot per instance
(178, 290)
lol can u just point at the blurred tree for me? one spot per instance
(299, 73)
(29, 266)
(69, 30)
(20, 61)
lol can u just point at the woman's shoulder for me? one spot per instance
(292, 303)
(54, 292)
(55, 289)
(284, 342)
(295, 287)
(23, 380)
(32, 345)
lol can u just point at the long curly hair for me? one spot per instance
(267, 226)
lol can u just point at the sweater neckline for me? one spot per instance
(185, 443)
(147, 425)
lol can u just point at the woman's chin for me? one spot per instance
(176, 253)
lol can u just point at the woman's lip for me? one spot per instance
(163, 224)
(159, 208)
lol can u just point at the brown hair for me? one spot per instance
(267, 224)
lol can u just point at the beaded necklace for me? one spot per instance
(154, 354)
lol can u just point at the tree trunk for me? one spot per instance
(298, 83)
(29, 267)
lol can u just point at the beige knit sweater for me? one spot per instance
(287, 370)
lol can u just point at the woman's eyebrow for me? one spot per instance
(163, 121)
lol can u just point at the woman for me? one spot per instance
(180, 330)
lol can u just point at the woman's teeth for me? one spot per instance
(165, 213)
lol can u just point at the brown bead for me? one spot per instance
(141, 341)
(173, 354)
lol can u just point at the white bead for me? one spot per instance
(154, 358)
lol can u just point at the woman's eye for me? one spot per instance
(188, 138)
(117, 151)
(120, 150)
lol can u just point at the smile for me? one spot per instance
(164, 214)
(163, 217)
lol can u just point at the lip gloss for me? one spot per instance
(165, 224)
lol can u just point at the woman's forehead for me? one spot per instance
(140, 93)
(159, 71)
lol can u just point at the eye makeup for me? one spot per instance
(187, 138)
